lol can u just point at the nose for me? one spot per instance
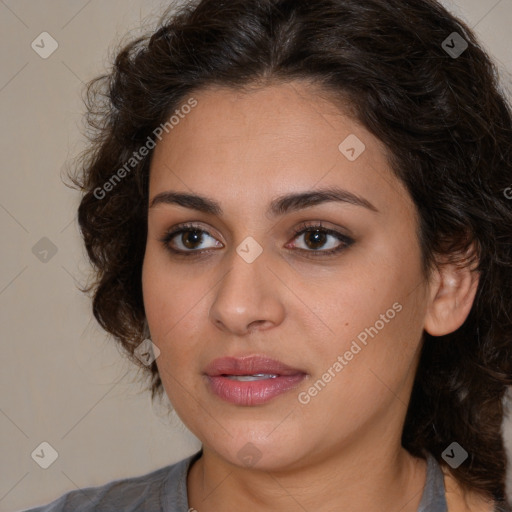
(247, 298)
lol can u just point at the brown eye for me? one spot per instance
(315, 239)
(189, 239)
(318, 240)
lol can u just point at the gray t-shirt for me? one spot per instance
(165, 490)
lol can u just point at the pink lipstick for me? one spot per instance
(252, 380)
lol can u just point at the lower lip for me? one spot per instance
(254, 392)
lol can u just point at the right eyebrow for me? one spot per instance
(192, 201)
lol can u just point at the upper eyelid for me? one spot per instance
(342, 238)
(297, 231)
(187, 227)
(300, 230)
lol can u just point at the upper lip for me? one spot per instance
(250, 365)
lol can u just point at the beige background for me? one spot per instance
(61, 380)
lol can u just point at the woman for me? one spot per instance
(303, 205)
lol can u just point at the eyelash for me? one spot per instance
(301, 229)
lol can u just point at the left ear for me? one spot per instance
(452, 292)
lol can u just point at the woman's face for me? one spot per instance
(342, 329)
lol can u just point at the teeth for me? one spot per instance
(248, 378)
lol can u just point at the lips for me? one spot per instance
(251, 365)
(260, 379)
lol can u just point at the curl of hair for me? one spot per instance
(446, 124)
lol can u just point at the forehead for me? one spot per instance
(270, 140)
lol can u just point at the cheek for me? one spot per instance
(174, 299)
(169, 292)
(366, 370)
(170, 308)
(375, 313)
(354, 298)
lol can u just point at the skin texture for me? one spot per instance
(340, 451)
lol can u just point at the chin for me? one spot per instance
(263, 448)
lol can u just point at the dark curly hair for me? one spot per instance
(443, 118)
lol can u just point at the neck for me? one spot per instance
(385, 478)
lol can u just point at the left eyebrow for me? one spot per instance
(279, 206)
(294, 202)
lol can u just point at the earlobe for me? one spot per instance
(453, 291)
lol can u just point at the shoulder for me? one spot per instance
(462, 500)
(135, 494)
